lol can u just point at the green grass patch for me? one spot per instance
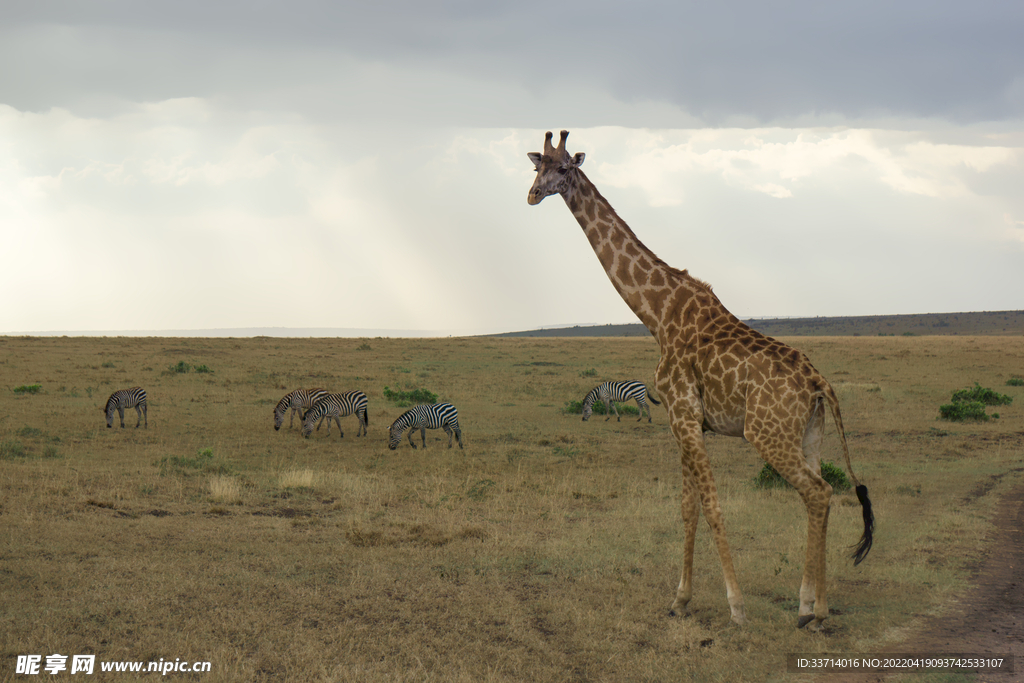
(403, 399)
(28, 389)
(202, 463)
(769, 478)
(12, 449)
(1015, 382)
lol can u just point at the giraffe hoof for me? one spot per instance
(804, 620)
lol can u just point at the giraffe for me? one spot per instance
(715, 374)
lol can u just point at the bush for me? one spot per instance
(1015, 382)
(982, 395)
(27, 389)
(202, 368)
(969, 404)
(963, 410)
(182, 367)
(408, 398)
(769, 478)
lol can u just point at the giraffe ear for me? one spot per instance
(535, 158)
(577, 159)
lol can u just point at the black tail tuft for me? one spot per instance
(654, 400)
(866, 540)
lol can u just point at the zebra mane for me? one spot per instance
(592, 396)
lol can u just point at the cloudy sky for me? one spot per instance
(309, 164)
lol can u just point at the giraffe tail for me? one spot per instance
(863, 546)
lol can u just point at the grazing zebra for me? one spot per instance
(620, 392)
(337, 406)
(423, 417)
(300, 399)
(126, 398)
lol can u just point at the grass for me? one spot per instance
(547, 550)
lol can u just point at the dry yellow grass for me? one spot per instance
(549, 549)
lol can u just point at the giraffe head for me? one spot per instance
(554, 169)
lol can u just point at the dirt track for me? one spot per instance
(989, 619)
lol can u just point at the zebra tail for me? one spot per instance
(654, 400)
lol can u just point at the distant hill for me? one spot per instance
(984, 323)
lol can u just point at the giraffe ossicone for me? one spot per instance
(715, 374)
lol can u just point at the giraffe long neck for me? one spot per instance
(641, 278)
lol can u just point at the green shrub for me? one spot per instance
(982, 395)
(769, 478)
(963, 410)
(27, 389)
(202, 368)
(181, 367)
(411, 397)
(969, 404)
(1015, 382)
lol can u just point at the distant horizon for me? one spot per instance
(356, 333)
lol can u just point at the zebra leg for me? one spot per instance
(363, 421)
(448, 431)
(618, 418)
(139, 411)
(608, 408)
(423, 436)
(411, 443)
(291, 418)
(120, 413)
(341, 434)
(458, 435)
(145, 412)
(642, 405)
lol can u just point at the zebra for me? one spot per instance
(126, 398)
(423, 417)
(300, 399)
(337, 406)
(621, 392)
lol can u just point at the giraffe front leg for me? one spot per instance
(691, 513)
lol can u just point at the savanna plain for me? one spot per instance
(548, 549)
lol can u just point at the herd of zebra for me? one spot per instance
(316, 405)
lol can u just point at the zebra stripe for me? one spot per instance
(337, 406)
(300, 399)
(611, 392)
(424, 417)
(126, 398)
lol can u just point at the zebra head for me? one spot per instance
(555, 169)
(588, 410)
(395, 436)
(307, 423)
(278, 418)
